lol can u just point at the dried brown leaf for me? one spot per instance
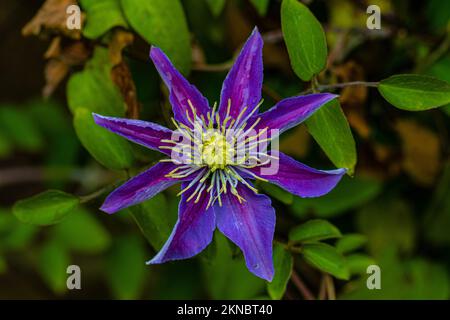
(55, 71)
(421, 151)
(121, 76)
(354, 97)
(61, 59)
(119, 41)
(52, 18)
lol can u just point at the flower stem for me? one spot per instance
(329, 284)
(322, 289)
(301, 286)
(96, 194)
(322, 87)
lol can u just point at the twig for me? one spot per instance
(95, 194)
(331, 292)
(306, 293)
(322, 290)
(322, 87)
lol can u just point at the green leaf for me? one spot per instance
(19, 128)
(431, 280)
(94, 89)
(63, 146)
(348, 194)
(6, 146)
(3, 265)
(325, 258)
(126, 267)
(283, 263)
(305, 39)
(261, 6)
(152, 218)
(226, 275)
(330, 128)
(45, 208)
(406, 280)
(108, 148)
(277, 193)
(102, 15)
(216, 6)
(357, 263)
(415, 92)
(163, 24)
(446, 109)
(14, 235)
(441, 70)
(314, 230)
(81, 232)
(437, 217)
(438, 13)
(387, 223)
(350, 242)
(53, 263)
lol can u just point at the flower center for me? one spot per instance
(216, 152)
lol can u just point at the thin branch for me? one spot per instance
(322, 87)
(298, 282)
(95, 194)
(323, 288)
(331, 292)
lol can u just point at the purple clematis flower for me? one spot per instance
(215, 153)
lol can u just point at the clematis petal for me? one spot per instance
(250, 225)
(140, 188)
(292, 111)
(180, 89)
(144, 133)
(243, 83)
(298, 178)
(192, 232)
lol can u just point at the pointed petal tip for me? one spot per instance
(101, 119)
(333, 95)
(157, 259)
(266, 273)
(328, 96)
(155, 53)
(97, 117)
(256, 35)
(256, 31)
(152, 261)
(153, 49)
(268, 276)
(107, 209)
(338, 171)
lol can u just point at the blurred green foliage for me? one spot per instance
(392, 210)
